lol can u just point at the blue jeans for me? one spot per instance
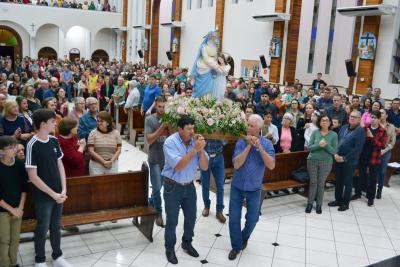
(48, 215)
(383, 167)
(68, 89)
(156, 184)
(237, 197)
(216, 167)
(176, 197)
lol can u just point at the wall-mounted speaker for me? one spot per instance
(169, 55)
(350, 68)
(140, 53)
(263, 62)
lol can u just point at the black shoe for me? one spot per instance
(233, 254)
(370, 202)
(334, 203)
(379, 193)
(309, 208)
(285, 191)
(343, 207)
(171, 257)
(244, 244)
(189, 249)
(356, 196)
(318, 209)
(295, 190)
(17, 265)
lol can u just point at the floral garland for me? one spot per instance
(210, 116)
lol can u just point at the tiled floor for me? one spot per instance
(357, 237)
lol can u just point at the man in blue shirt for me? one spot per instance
(183, 153)
(88, 122)
(150, 93)
(66, 79)
(250, 158)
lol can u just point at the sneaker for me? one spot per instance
(61, 262)
(43, 264)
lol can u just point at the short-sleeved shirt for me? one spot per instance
(119, 91)
(156, 154)
(150, 94)
(105, 144)
(250, 175)
(43, 155)
(174, 151)
(92, 84)
(10, 127)
(13, 181)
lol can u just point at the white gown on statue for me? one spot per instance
(220, 82)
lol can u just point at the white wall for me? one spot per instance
(47, 35)
(198, 22)
(244, 37)
(342, 43)
(164, 33)
(76, 37)
(105, 39)
(388, 32)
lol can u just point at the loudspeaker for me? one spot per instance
(140, 53)
(263, 62)
(169, 55)
(350, 68)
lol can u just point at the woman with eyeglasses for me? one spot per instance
(295, 111)
(322, 146)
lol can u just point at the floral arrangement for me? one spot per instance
(210, 116)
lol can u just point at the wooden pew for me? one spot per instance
(136, 125)
(102, 198)
(281, 177)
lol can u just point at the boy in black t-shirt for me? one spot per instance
(13, 180)
(46, 172)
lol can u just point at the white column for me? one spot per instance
(61, 51)
(88, 45)
(119, 40)
(32, 47)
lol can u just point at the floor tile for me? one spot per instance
(219, 256)
(320, 245)
(286, 263)
(321, 258)
(290, 253)
(379, 253)
(349, 261)
(150, 259)
(351, 250)
(122, 256)
(253, 260)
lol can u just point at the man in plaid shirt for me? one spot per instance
(370, 159)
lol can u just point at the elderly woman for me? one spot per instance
(287, 135)
(13, 124)
(104, 144)
(322, 146)
(79, 109)
(73, 150)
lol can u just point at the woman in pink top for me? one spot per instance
(287, 135)
(366, 117)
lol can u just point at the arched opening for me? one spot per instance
(10, 43)
(100, 55)
(47, 52)
(73, 54)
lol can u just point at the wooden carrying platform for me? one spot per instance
(102, 198)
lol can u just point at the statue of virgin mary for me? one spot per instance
(206, 68)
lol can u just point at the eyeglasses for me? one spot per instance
(354, 117)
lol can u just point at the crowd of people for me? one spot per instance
(84, 5)
(63, 114)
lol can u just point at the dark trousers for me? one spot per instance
(344, 182)
(175, 197)
(367, 181)
(48, 215)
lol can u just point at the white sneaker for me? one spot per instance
(61, 262)
(43, 264)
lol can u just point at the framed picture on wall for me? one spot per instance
(367, 46)
(275, 47)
